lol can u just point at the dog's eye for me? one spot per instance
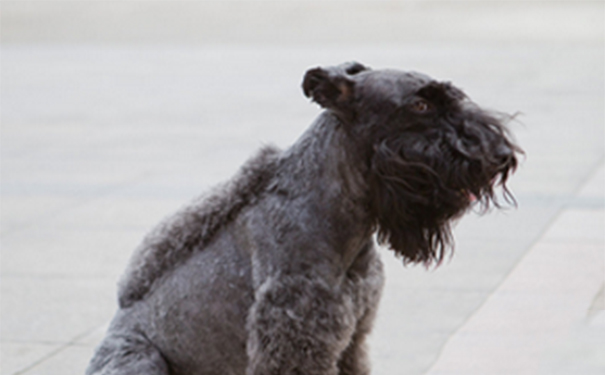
(420, 106)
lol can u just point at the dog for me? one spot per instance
(277, 272)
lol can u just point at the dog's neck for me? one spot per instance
(325, 160)
(325, 169)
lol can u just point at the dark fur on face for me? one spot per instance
(432, 153)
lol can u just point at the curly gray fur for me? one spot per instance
(194, 226)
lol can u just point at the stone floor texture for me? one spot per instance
(115, 114)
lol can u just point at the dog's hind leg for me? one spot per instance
(127, 355)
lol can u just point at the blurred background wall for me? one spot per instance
(301, 21)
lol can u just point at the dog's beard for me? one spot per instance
(412, 207)
(422, 182)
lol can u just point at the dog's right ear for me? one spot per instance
(332, 88)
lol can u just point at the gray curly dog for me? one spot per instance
(276, 272)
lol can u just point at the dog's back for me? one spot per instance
(191, 229)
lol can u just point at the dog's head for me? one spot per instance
(431, 153)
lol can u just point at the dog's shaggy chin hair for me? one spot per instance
(420, 187)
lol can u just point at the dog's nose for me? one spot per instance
(503, 151)
(504, 155)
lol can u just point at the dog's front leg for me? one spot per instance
(354, 360)
(299, 324)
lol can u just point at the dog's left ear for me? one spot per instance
(332, 88)
(441, 93)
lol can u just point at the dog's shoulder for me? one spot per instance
(195, 225)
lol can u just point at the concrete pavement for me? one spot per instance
(547, 316)
(108, 127)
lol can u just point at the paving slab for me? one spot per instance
(19, 357)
